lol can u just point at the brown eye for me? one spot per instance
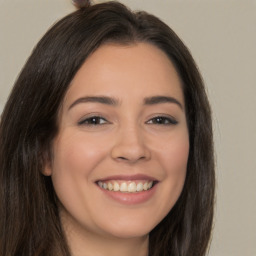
(162, 120)
(94, 120)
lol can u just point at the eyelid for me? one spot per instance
(89, 118)
(164, 119)
(171, 120)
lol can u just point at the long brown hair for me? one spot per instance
(29, 221)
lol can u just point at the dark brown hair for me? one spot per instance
(29, 221)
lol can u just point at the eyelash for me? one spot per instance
(158, 120)
(93, 121)
(162, 120)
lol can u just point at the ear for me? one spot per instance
(46, 163)
(47, 169)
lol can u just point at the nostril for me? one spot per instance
(122, 158)
(130, 159)
(130, 152)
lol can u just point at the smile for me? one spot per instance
(128, 189)
(126, 186)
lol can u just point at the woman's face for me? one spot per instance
(120, 157)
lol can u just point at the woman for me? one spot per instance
(106, 142)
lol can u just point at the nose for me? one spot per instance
(130, 146)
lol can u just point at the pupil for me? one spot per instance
(95, 120)
(159, 120)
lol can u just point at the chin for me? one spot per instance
(128, 228)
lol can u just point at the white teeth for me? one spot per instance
(126, 187)
(116, 186)
(123, 187)
(150, 184)
(132, 187)
(139, 187)
(110, 186)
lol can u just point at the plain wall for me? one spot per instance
(222, 38)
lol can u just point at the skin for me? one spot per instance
(129, 139)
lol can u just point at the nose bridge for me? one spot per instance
(130, 143)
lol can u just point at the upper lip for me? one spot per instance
(128, 177)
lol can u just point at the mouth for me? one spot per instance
(128, 189)
(126, 186)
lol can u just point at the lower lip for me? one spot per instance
(130, 198)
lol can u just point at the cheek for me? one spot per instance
(173, 153)
(176, 156)
(173, 158)
(76, 153)
(76, 156)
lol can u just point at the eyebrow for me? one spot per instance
(114, 102)
(97, 99)
(161, 99)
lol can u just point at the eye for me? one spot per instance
(93, 121)
(162, 120)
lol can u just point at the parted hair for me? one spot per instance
(29, 217)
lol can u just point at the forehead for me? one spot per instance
(135, 69)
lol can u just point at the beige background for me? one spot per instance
(222, 37)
